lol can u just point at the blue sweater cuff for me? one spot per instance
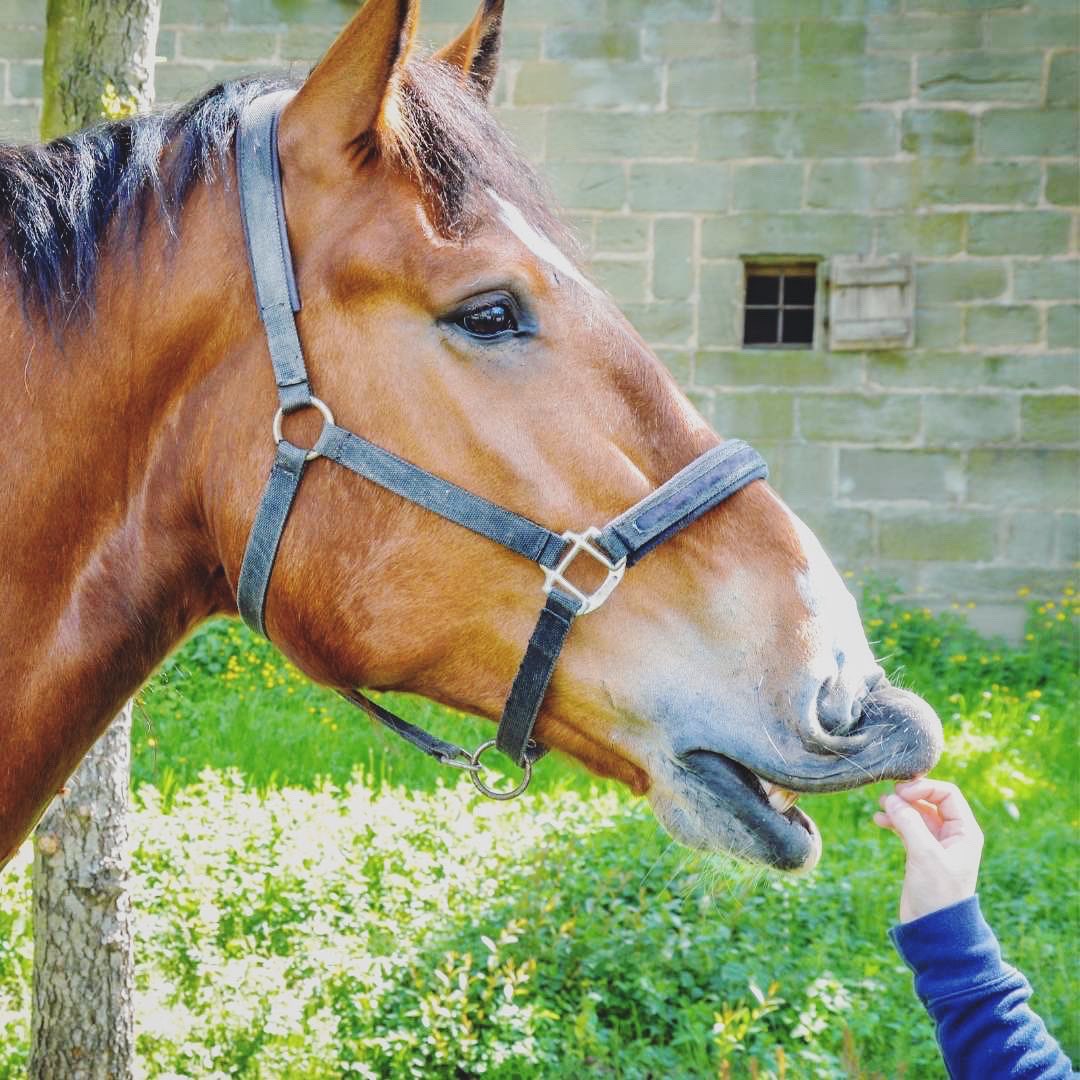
(950, 950)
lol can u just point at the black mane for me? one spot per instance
(58, 200)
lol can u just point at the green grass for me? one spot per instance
(317, 899)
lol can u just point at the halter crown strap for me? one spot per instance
(694, 490)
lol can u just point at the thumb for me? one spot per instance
(909, 824)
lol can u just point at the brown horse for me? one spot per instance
(443, 319)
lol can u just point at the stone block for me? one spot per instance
(980, 76)
(957, 282)
(916, 370)
(585, 135)
(622, 234)
(831, 37)
(1063, 86)
(624, 278)
(851, 185)
(812, 133)
(679, 187)
(1003, 324)
(584, 185)
(867, 475)
(600, 43)
(592, 83)
(936, 535)
(968, 582)
(845, 534)
(1046, 279)
(175, 81)
(1051, 418)
(1063, 326)
(620, 12)
(307, 42)
(527, 128)
(767, 187)
(23, 42)
(805, 475)
(1027, 538)
(679, 362)
(699, 41)
(843, 82)
(1033, 371)
(662, 322)
(720, 314)
(726, 83)
(921, 234)
(239, 46)
(1028, 133)
(995, 183)
(24, 81)
(938, 132)
(793, 368)
(969, 419)
(922, 33)
(1024, 479)
(870, 418)
(1067, 539)
(19, 123)
(939, 327)
(755, 415)
(1063, 184)
(1025, 232)
(789, 234)
(1034, 29)
(673, 259)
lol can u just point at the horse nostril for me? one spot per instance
(839, 712)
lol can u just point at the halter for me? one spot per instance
(704, 483)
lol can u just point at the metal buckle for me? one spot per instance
(581, 542)
(315, 403)
(476, 772)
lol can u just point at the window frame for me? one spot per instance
(783, 267)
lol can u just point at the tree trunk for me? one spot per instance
(99, 62)
(83, 1025)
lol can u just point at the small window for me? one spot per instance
(780, 305)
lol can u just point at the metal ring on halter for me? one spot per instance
(491, 793)
(317, 403)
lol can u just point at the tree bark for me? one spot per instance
(99, 63)
(83, 1025)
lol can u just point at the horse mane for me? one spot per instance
(58, 200)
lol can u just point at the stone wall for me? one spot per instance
(684, 135)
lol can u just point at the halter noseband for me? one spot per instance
(703, 484)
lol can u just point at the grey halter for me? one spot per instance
(703, 484)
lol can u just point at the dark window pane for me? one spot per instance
(761, 326)
(762, 290)
(798, 326)
(799, 290)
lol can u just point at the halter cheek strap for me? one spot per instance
(703, 484)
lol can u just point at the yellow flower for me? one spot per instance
(959, 658)
(1023, 591)
(1034, 694)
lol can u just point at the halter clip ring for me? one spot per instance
(583, 542)
(315, 403)
(476, 774)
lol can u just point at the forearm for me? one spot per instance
(978, 1002)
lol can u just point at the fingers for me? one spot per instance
(948, 798)
(909, 824)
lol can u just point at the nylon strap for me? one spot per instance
(262, 209)
(266, 531)
(440, 496)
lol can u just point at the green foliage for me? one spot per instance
(297, 919)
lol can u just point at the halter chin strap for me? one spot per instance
(704, 483)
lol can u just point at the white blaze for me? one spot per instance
(535, 241)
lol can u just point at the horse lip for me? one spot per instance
(786, 841)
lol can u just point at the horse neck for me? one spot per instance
(106, 563)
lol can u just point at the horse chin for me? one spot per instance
(717, 805)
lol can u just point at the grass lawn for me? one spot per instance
(317, 899)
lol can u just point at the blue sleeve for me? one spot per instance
(978, 1002)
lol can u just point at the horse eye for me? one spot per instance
(489, 320)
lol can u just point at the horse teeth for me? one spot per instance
(780, 799)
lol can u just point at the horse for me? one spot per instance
(443, 314)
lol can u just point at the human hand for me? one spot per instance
(943, 842)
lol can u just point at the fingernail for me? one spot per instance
(893, 802)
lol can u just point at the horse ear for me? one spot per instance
(475, 53)
(344, 96)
